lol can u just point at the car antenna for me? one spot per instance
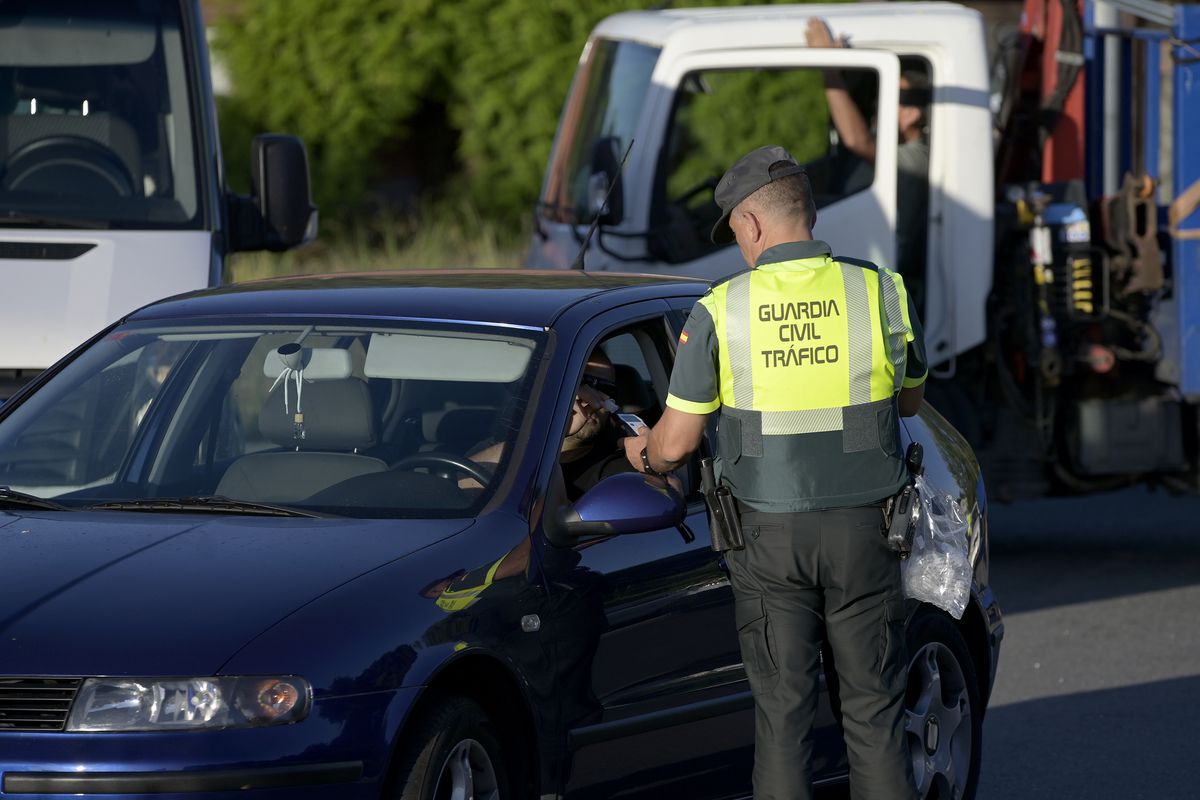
(578, 263)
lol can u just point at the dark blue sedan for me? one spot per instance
(370, 536)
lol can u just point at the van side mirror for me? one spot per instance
(606, 173)
(279, 214)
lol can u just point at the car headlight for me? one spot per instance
(152, 704)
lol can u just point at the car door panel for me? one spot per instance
(675, 705)
(665, 672)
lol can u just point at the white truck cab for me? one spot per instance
(111, 185)
(695, 89)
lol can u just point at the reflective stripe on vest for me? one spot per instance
(737, 316)
(896, 317)
(859, 423)
(859, 329)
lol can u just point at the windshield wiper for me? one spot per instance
(18, 218)
(11, 498)
(214, 504)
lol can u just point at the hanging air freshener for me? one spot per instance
(292, 356)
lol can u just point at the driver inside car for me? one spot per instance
(591, 449)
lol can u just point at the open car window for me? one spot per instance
(349, 420)
(637, 360)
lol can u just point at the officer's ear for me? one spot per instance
(752, 230)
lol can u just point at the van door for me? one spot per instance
(711, 107)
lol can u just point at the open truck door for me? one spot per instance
(691, 114)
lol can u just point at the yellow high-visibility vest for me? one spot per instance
(810, 356)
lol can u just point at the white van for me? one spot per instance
(111, 185)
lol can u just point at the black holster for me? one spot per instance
(724, 522)
(902, 513)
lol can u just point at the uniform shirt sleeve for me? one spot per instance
(695, 380)
(917, 366)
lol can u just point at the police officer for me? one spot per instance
(810, 360)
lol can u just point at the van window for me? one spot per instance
(603, 109)
(719, 115)
(95, 115)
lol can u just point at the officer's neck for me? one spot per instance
(782, 234)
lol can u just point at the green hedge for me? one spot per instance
(351, 77)
(346, 75)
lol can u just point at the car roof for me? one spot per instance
(524, 297)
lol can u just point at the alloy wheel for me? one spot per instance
(467, 774)
(938, 722)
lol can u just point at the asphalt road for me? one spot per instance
(1098, 691)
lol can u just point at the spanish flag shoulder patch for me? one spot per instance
(683, 338)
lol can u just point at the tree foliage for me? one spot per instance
(743, 109)
(509, 88)
(345, 75)
(351, 77)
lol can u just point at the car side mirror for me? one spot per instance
(279, 214)
(606, 173)
(629, 502)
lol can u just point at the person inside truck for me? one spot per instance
(912, 155)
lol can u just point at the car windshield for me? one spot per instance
(602, 110)
(95, 123)
(360, 420)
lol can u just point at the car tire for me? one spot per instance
(452, 751)
(943, 709)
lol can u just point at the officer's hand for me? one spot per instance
(633, 448)
(817, 34)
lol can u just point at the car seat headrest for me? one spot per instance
(337, 416)
(632, 395)
(462, 428)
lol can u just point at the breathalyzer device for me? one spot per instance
(632, 423)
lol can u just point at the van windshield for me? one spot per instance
(604, 105)
(95, 123)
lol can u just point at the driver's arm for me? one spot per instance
(488, 457)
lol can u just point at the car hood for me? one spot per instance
(121, 593)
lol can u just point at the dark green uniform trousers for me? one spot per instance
(802, 578)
